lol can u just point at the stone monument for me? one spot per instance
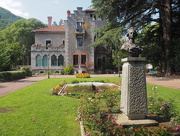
(133, 90)
(133, 97)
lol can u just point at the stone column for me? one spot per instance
(133, 92)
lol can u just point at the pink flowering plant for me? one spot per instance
(98, 120)
(160, 106)
(94, 111)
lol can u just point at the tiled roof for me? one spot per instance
(59, 28)
(90, 10)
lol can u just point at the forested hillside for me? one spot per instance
(7, 18)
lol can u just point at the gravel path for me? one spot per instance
(8, 87)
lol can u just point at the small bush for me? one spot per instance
(27, 71)
(69, 70)
(62, 72)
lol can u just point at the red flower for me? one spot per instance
(178, 127)
(136, 129)
(88, 134)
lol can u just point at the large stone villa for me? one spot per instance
(59, 46)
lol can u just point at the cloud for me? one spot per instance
(16, 7)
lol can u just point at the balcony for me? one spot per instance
(50, 48)
(80, 31)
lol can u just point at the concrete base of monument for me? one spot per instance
(123, 120)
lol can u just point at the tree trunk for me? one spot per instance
(165, 17)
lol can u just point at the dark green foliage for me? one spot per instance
(9, 55)
(69, 70)
(27, 71)
(139, 14)
(152, 46)
(7, 18)
(11, 75)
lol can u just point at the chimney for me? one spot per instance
(49, 21)
(68, 13)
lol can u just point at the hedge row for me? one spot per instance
(12, 75)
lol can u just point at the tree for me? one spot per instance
(19, 33)
(54, 23)
(137, 13)
(61, 22)
(8, 56)
(149, 38)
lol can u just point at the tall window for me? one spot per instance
(38, 61)
(60, 60)
(83, 59)
(79, 41)
(53, 60)
(75, 59)
(79, 25)
(45, 61)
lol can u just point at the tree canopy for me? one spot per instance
(16, 41)
(139, 14)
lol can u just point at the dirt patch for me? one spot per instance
(8, 110)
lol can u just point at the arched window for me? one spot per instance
(38, 61)
(53, 60)
(45, 61)
(60, 60)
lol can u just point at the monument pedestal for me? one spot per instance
(133, 92)
(123, 120)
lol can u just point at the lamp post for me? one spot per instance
(118, 66)
(48, 67)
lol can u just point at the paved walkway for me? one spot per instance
(8, 87)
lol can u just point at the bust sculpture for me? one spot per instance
(130, 47)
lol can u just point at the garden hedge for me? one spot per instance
(12, 75)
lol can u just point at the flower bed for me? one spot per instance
(83, 75)
(98, 120)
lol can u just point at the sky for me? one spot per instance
(40, 9)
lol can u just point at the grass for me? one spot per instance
(32, 111)
(166, 93)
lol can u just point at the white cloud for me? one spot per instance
(16, 7)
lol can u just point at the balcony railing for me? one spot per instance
(80, 31)
(50, 48)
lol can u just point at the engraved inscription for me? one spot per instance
(137, 91)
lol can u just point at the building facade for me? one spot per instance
(59, 46)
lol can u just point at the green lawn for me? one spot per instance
(166, 93)
(32, 111)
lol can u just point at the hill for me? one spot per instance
(7, 18)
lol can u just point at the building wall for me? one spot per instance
(40, 49)
(56, 38)
(89, 23)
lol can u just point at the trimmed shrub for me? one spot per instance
(12, 75)
(69, 70)
(27, 71)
